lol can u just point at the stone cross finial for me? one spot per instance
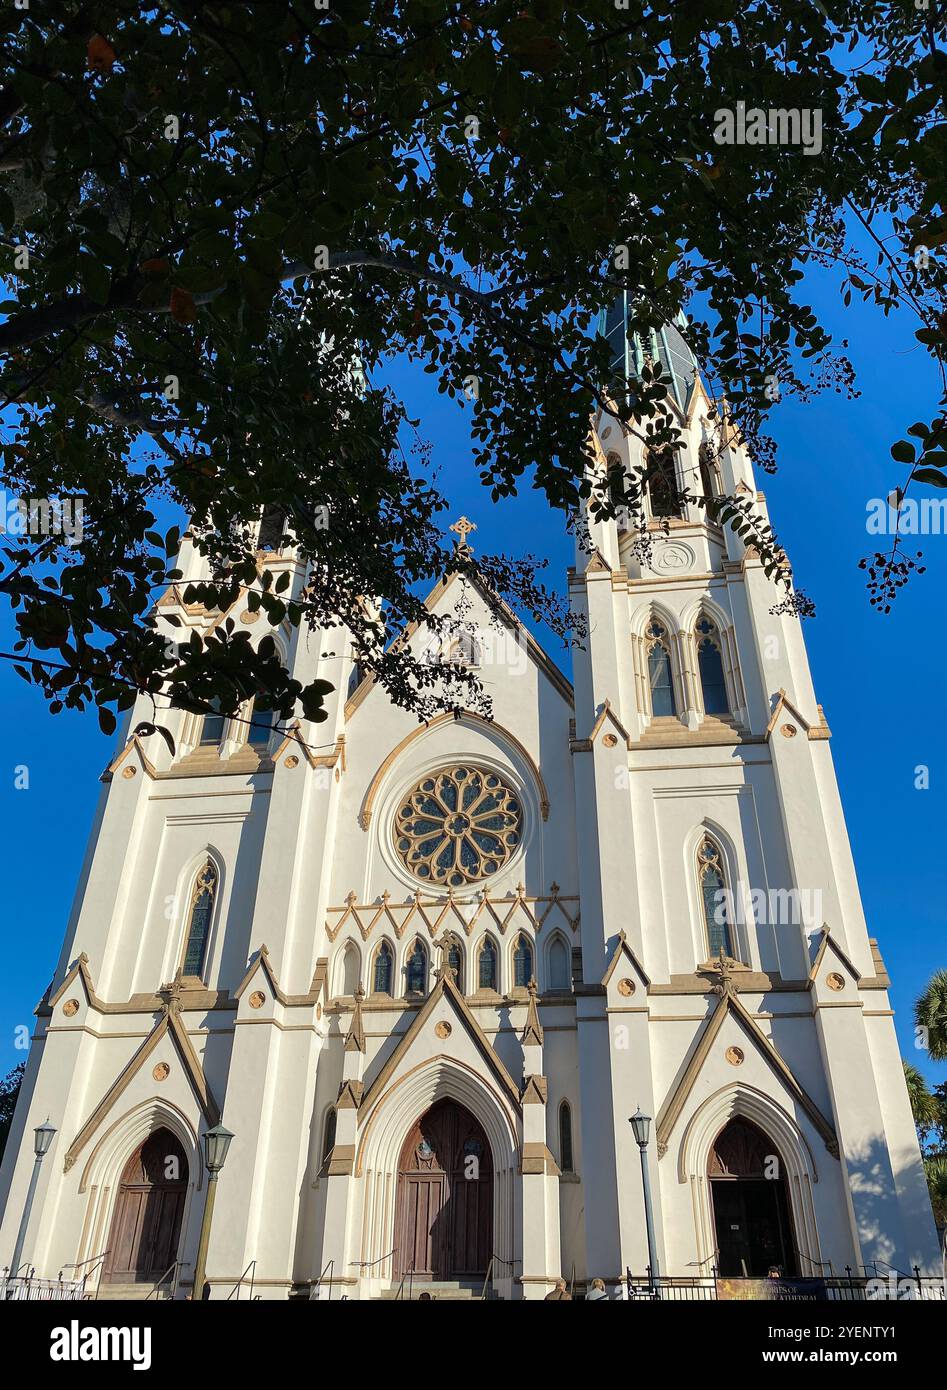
(463, 528)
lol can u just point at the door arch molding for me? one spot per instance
(706, 1123)
(397, 1110)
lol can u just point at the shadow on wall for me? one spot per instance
(893, 1216)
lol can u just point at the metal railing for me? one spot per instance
(19, 1287)
(250, 1267)
(499, 1260)
(851, 1287)
(409, 1275)
(96, 1263)
(172, 1271)
(316, 1284)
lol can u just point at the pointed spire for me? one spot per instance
(355, 1038)
(533, 1032)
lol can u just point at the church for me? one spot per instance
(425, 975)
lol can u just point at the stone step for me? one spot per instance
(440, 1290)
(134, 1293)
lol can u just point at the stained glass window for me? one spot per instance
(384, 964)
(565, 1137)
(713, 892)
(417, 970)
(202, 909)
(457, 826)
(660, 677)
(522, 963)
(212, 729)
(710, 664)
(487, 974)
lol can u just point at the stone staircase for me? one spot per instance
(132, 1293)
(441, 1291)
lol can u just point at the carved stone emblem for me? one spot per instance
(734, 1056)
(70, 1007)
(161, 1071)
(835, 981)
(443, 1029)
(257, 999)
(626, 987)
(788, 730)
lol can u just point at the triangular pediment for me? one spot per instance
(168, 1025)
(422, 1036)
(729, 1007)
(500, 611)
(622, 952)
(829, 952)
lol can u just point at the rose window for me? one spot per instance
(458, 826)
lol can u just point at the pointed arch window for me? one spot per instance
(558, 964)
(487, 965)
(713, 683)
(200, 914)
(383, 971)
(212, 728)
(714, 898)
(416, 972)
(260, 727)
(465, 650)
(660, 675)
(566, 1161)
(455, 962)
(663, 491)
(328, 1134)
(709, 476)
(349, 969)
(522, 962)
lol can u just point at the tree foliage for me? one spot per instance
(220, 221)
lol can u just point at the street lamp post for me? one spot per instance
(42, 1138)
(216, 1144)
(641, 1128)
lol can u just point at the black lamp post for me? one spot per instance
(216, 1144)
(641, 1129)
(42, 1138)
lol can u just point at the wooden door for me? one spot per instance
(444, 1213)
(146, 1227)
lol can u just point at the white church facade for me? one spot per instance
(425, 974)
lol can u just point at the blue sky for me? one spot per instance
(877, 677)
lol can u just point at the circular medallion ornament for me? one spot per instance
(291, 761)
(609, 740)
(835, 981)
(161, 1071)
(674, 558)
(443, 1030)
(257, 999)
(788, 731)
(458, 826)
(248, 617)
(70, 1007)
(734, 1056)
(626, 987)
(129, 773)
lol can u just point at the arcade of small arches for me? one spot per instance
(483, 967)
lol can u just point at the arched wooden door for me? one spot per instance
(444, 1209)
(146, 1227)
(752, 1216)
